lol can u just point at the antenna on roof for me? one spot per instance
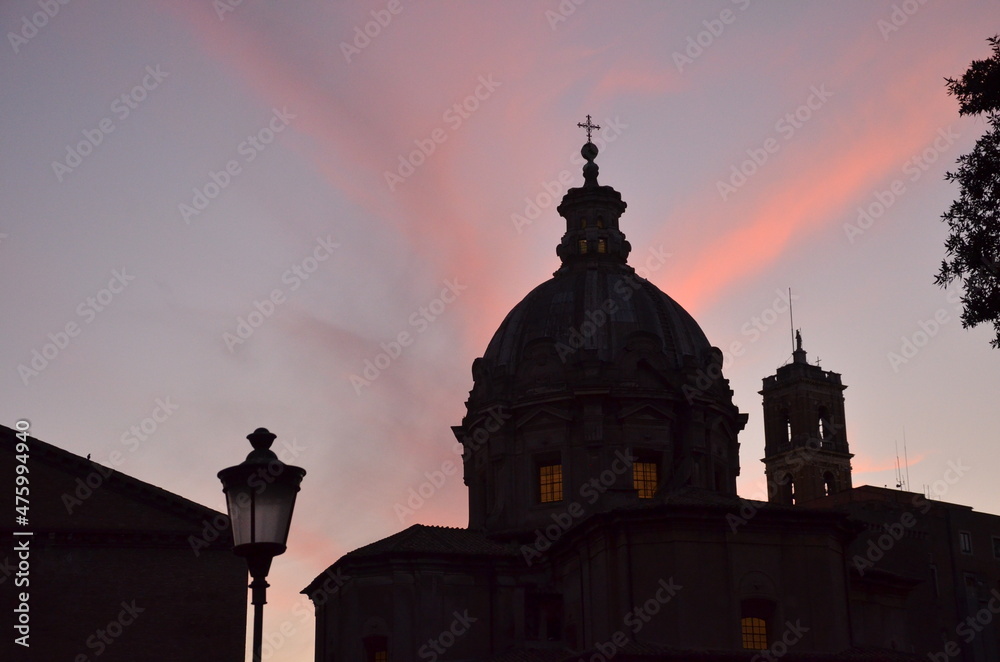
(906, 459)
(899, 473)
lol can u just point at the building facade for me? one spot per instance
(115, 569)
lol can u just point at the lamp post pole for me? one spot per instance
(258, 589)
(260, 496)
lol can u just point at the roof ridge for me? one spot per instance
(132, 486)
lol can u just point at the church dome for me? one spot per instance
(596, 307)
(594, 367)
(594, 313)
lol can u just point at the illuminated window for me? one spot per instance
(644, 479)
(602, 246)
(583, 247)
(550, 483)
(754, 632)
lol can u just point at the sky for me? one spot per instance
(218, 215)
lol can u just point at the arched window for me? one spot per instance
(583, 247)
(756, 614)
(823, 423)
(787, 420)
(829, 484)
(791, 492)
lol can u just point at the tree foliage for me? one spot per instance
(973, 243)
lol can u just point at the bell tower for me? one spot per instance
(806, 455)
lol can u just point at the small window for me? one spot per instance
(829, 484)
(754, 631)
(550, 483)
(602, 246)
(644, 479)
(788, 425)
(996, 547)
(934, 581)
(824, 423)
(583, 247)
(755, 614)
(965, 542)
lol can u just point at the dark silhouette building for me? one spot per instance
(804, 418)
(601, 454)
(115, 569)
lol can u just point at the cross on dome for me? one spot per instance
(589, 126)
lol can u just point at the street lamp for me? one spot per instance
(260, 495)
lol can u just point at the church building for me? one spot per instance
(601, 451)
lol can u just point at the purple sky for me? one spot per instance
(294, 128)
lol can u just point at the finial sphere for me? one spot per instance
(589, 151)
(261, 439)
